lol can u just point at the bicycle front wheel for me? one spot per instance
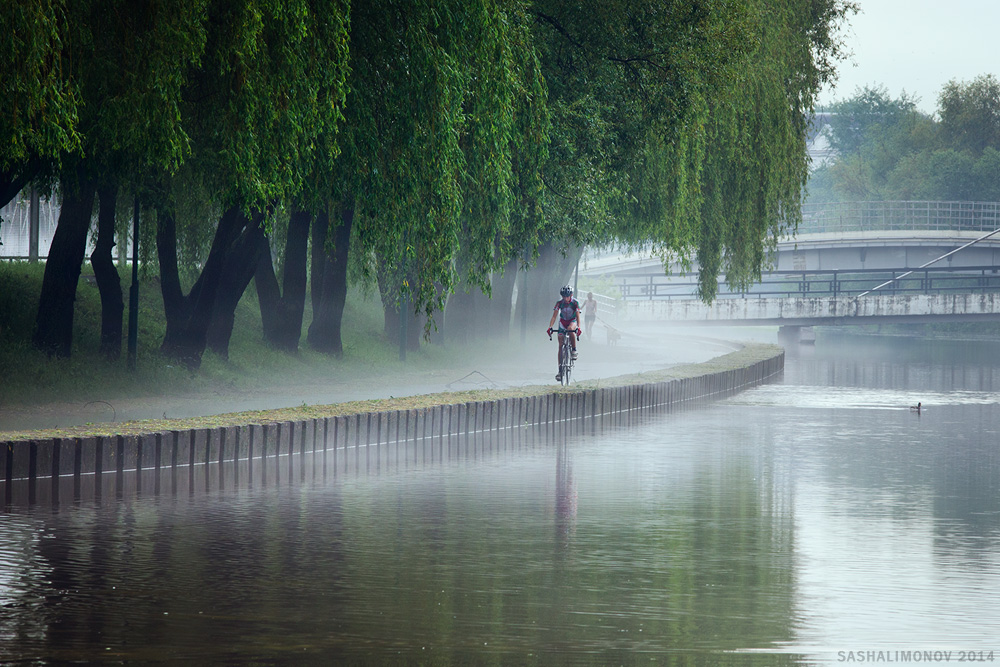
(567, 362)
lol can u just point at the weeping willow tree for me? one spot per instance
(504, 147)
(39, 100)
(445, 100)
(755, 161)
(679, 125)
(267, 92)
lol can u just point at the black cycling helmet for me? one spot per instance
(566, 291)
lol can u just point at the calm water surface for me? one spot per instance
(808, 522)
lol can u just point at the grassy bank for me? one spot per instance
(30, 377)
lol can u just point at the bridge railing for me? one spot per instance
(830, 283)
(834, 217)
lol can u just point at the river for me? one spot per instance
(817, 520)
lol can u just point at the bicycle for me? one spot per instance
(565, 353)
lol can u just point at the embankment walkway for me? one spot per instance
(261, 447)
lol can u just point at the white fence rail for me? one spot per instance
(900, 215)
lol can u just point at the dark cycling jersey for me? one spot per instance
(567, 310)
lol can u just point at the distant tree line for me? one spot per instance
(886, 149)
(435, 148)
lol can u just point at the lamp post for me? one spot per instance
(133, 294)
(403, 311)
(33, 225)
(522, 296)
(404, 302)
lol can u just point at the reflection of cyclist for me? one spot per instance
(567, 310)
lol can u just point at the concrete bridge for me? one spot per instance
(825, 273)
(798, 311)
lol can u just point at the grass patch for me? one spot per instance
(30, 377)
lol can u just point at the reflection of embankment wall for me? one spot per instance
(186, 460)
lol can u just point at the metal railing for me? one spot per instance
(865, 216)
(15, 227)
(830, 283)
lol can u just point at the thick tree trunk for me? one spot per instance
(108, 282)
(175, 304)
(460, 315)
(552, 271)
(281, 313)
(317, 259)
(330, 273)
(389, 290)
(503, 299)
(237, 272)
(468, 310)
(188, 318)
(54, 323)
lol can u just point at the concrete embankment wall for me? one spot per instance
(53, 469)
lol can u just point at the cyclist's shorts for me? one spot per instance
(565, 323)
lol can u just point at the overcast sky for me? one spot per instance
(918, 46)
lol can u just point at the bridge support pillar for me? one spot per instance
(788, 335)
(796, 335)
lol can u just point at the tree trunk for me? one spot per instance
(54, 323)
(188, 318)
(460, 315)
(388, 286)
(459, 311)
(108, 281)
(503, 298)
(331, 296)
(281, 314)
(317, 259)
(552, 271)
(175, 304)
(237, 272)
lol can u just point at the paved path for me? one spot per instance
(640, 349)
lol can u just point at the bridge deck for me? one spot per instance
(812, 311)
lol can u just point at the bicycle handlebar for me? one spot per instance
(560, 330)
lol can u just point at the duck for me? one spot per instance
(915, 408)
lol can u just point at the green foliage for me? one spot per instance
(871, 116)
(871, 133)
(934, 175)
(970, 114)
(130, 60)
(459, 133)
(39, 104)
(755, 163)
(683, 124)
(887, 150)
(267, 94)
(445, 129)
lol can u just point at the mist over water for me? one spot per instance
(782, 526)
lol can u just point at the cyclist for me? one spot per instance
(567, 309)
